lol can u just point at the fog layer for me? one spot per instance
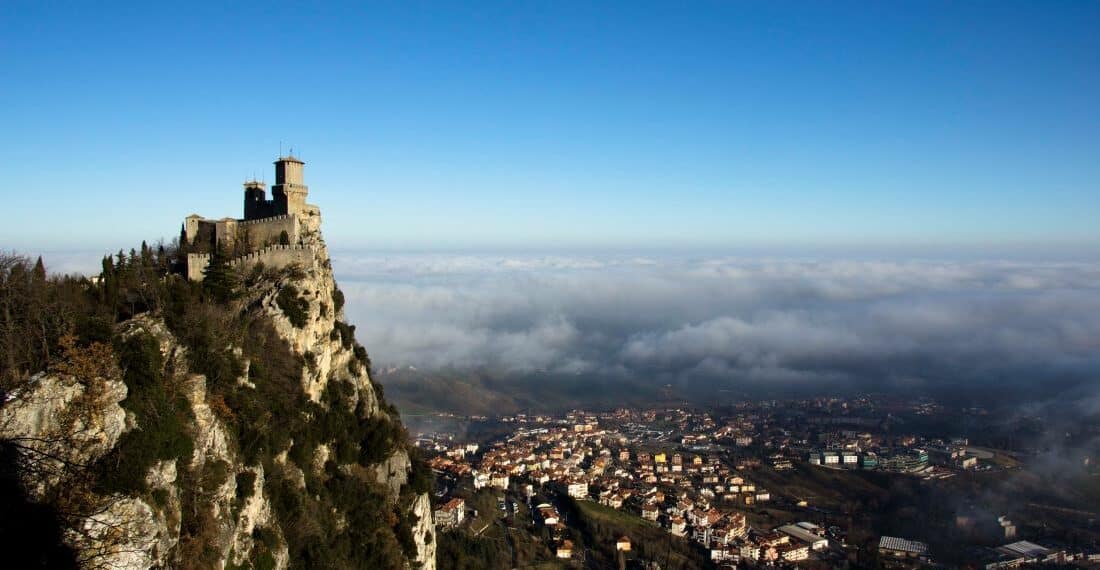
(753, 321)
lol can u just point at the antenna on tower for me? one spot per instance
(280, 149)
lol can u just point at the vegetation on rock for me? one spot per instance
(293, 306)
(332, 513)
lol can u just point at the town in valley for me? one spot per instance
(864, 481)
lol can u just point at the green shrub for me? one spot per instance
(269, 415)
(256, 273)
(208, 332)
(346, 333)
(363, 358)
(421, 479)
(161, 419)
(264, 540)
(311, 361)
(264, 561)
(95, 328)
(219, 281)
(293, 306)
(295, 272)
(160, 498)
(379, 437)
(338, 299)
(214, 475)
(405, 523)
(246, 485)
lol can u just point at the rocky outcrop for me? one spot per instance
(63, 421)
(393, 472)
(424, 531)
(128, 532)
(73, 421)
(317, 339)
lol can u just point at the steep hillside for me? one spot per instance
(232, 423)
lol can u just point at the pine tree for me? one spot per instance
(219, 280)
(184, 244)
(107, 281)
(146, 255)
(39, 270)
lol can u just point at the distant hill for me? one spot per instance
(492, 393)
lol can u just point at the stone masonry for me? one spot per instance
(274, 229)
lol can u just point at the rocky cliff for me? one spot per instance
(246, 433)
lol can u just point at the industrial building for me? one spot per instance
(902, 547)
(802, 534)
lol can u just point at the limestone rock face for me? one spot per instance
(128, 533)
(329, 358)
(212, 446)
(393, 472)
(80, 420)
(424, 532)
(326, 354)
(64, 419)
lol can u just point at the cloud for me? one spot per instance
(743, 320)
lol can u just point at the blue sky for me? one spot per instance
(546, 125)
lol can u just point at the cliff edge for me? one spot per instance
(228, 423)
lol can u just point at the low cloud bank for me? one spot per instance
(751, 321)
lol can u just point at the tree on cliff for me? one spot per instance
(35, 311)
(219, 280)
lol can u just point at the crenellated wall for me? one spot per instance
(275, 256)
(265, 223)
(268, 230)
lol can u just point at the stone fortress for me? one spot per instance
(275, 232)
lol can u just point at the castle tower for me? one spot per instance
(191, 227)
(289, 190)
(256, 205)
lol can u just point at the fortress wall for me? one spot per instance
(201, 231)
(196, 263)
(276, 257)
(226, 230)
(268, 230)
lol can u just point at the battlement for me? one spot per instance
(261, 254)
(276, 226)
(266, 220)
(274, 256)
